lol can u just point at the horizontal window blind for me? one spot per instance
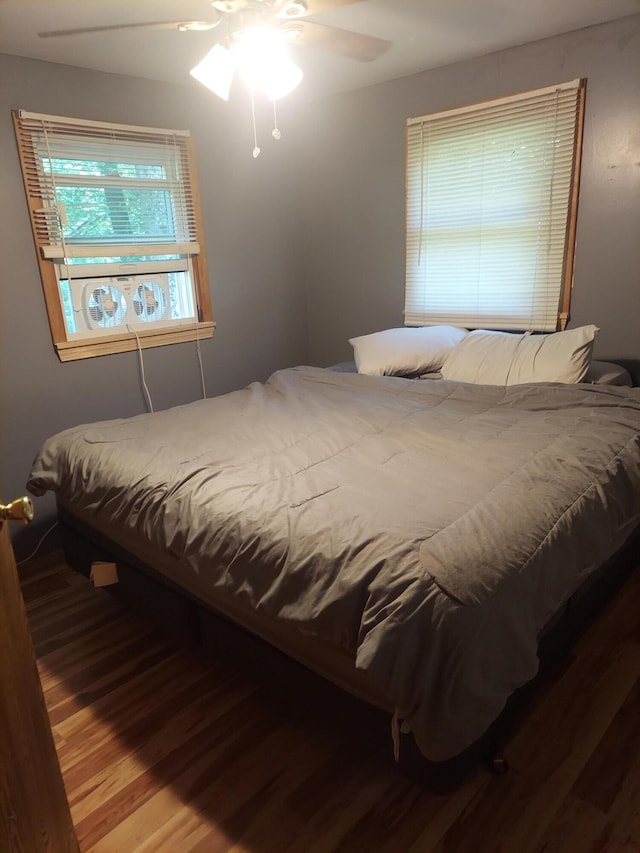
(101, 190)
(490, 191)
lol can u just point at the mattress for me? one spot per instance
(426, 531)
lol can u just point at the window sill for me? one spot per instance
(107, 345)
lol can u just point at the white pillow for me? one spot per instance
(501, 358)
(405, 351)
(608, 373)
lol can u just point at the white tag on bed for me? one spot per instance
(103, 574)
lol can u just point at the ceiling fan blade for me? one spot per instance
(312, 7)
(346, 43)
(204, 25)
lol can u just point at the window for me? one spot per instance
(118, 233)
(492, 194)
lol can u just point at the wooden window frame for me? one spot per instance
(71, 349)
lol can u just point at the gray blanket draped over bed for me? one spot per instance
(429, 529)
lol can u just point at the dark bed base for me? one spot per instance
(188, 622)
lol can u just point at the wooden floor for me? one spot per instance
(166, 750)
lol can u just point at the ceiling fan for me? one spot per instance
(252, 40)
(289, 17)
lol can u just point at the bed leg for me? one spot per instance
(499, 764)
(494, 756)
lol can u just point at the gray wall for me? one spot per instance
(353, 229)
(247, 209)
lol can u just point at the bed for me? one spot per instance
(409, 540)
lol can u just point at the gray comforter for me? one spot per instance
(429, 529)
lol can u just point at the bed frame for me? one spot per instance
(187, 621)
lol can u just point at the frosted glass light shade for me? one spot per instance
(281, 78)
(264, 63)
(216, 70)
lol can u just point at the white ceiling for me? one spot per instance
(424, 34)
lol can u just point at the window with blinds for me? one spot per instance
(492, 194)
(117, 227)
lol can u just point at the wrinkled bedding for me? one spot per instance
(428, 529)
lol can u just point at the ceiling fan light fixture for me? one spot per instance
(281, 79)
(225, 5)
(293, 31)
(293, 9)
(216, 70)
(263, 62)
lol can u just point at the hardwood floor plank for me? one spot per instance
(115, 766)
(164, 751)
(520, 805)
(246, 799)
(77, 622)
(341, 775)
(329, 837)
(577, 826)
(141, 808)
(99, 640)
(613, 760)
(99, 679)
(436, 817)
(73, 600)
(625, 811)
(42, 586)
(622, 791)
(379, 825)
(133, 708)
(175, 722)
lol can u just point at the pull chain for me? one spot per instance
(256, 150)
(276, 130)
(276, 133)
